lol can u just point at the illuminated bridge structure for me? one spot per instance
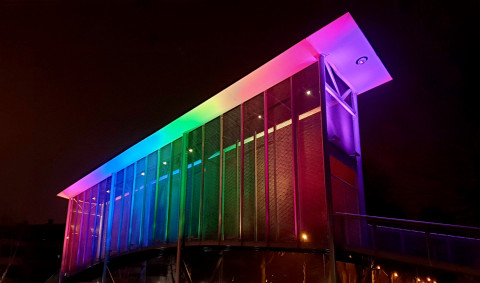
(271, 164)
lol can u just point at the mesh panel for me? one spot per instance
(149, 206)
(81, 209)
(231, 173)
(281, 185)
(96, 240)
(211, 181)
(138, 203)
(117, 211)
(312, 200)
(127, 207)
(280, 163)
(74, 232)
(102, 215)
(231, 199)
(313, 209)
(83, 235)
(163, 193)
(176, 183)
(260, 193)
(249, 192)
(254, 171)
(194, 184)
(92, 224)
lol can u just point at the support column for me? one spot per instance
(296, 195)
(326, 167)
(265, 136)
(183, 198)
(220, 194)
(242, 170)
(66, 241)
(109, 227)
(358, 156)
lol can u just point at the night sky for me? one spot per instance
(80, 83)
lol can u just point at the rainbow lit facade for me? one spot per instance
(264, 162)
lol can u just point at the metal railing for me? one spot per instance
(440, 245)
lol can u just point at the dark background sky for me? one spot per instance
(80, 83)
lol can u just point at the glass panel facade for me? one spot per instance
(255, 173)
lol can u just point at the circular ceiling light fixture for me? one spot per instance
(362, 60)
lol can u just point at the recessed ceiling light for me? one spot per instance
(362, 60)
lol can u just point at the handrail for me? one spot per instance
(409, 222)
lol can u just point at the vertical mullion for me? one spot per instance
(109, 226)
(121, 211)
(129, 242)
(242, 169)
(156, 197)
(222, 206)
(220, 198)
(95, 223)
(73, 243)
(66, 242)
(275, 186)
(265, 136)
(296, 197)
(81, 227)
(237, 188)
(192, 184)
(255, 166)
(145, 194)
(326, 167)
(202, 186)
(358, 156)
(169, 192)
(88, 223)
(182, 203)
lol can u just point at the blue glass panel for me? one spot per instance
(138, 202)
(101, 214)
(117, 212)
(84, 227)
(127, 208)
(151, 186)
(91, 224)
